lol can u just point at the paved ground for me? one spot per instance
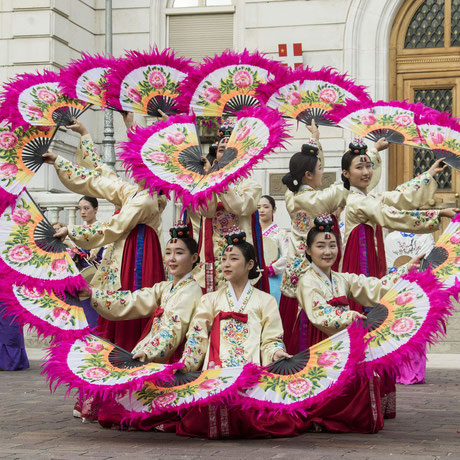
(38, 425)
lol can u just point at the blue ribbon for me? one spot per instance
(139, 255)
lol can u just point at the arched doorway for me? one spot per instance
(425, 67)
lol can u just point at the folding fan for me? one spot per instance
(147, 82)
(97, 367)
(35, 99)
(441, 134)
(307, 95)
(393, 120)
(192, 389)
(444, 259)
(45, 311)
(168, 155)
(227, 83)
(21, 153)
(86, 78)
(29, 253)
(410, 314)
(314, 375)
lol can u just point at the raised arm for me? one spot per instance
(242, 200)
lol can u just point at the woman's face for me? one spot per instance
(87, 212)
(178, 258)
(360, 172)
(315, 179)
(265, 211)
(323, 251)
(221, 146)
(234, 265)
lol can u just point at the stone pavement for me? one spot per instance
(38, 425)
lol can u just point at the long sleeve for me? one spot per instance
(198, 334)
(140, 209)
(271, 339)
(412, 194)
(242, 199)
(279, 266)
(125, 305)
(92, 183)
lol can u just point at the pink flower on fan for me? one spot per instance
(216, 177)
(402, 326)
(94, 348)
(328, 95)
(164, 400)
(293, 97)
(175, 138)
(157, 79)
(209, 385)
(242, 79)
(133, 94)
(8, 170)
(60, 313)
(92, 88)
(7, 140)
(436, 138)
(20, 253)
(159, 157)
(253, 151)
(368, 119)
(140, 372)
(455, 238)
(419, 140)
(243, 133)
(20, 216)
(298, 387)
(96, 373)
(403, 119)
(328, 358)
(404, 298)
(58, 266)
(34, 112)
(32, 293)
(46, 96)
(185, 179)
(211, 94)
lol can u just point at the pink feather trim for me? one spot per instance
(58, 373)
(336, 389)
(327, 74)
(9, 97)
(8, 200)
(135, 59)
(432, 329)
(68, 76)
(341, 111)
(44, 329)
(190, 84)
(444, 119)
(130, 154)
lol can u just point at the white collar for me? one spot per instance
(188, 275)
(269, 229)
(320, 272)
(357, 190)
(237, 303)
(305, 187)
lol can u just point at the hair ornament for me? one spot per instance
(179, 230)
(358, 147)
(226, 129)
(234, 237)
(311, 146)
(324, 223)
(295, 182)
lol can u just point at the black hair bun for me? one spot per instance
(179, 231)
(324, 223)
(311, 146)
(357, 146)
(235, 236)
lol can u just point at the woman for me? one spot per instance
(276, 244)
(169, 305)
(13, 356)
(305, 201)
(233, 326)
(87, 260)
(236, 207)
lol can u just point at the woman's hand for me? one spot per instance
(281, 354)
(415, 262)
(449, 212)
(357, 315)
(313, 128)
(206, 165)
(163, 116)
(141, 356)
(92, 254)
(437, 167)
(61, 233)
(85, 292)
(78, 127)
(49, 157)
(128, 119)
(382, 144)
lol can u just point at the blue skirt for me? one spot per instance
(275, 287)
(13, 356)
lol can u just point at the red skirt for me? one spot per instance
(288, 311)
(147, 259)
(357, 411)
(304, 334)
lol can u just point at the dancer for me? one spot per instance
(276, 244)
(13, 356)
(304, 202)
